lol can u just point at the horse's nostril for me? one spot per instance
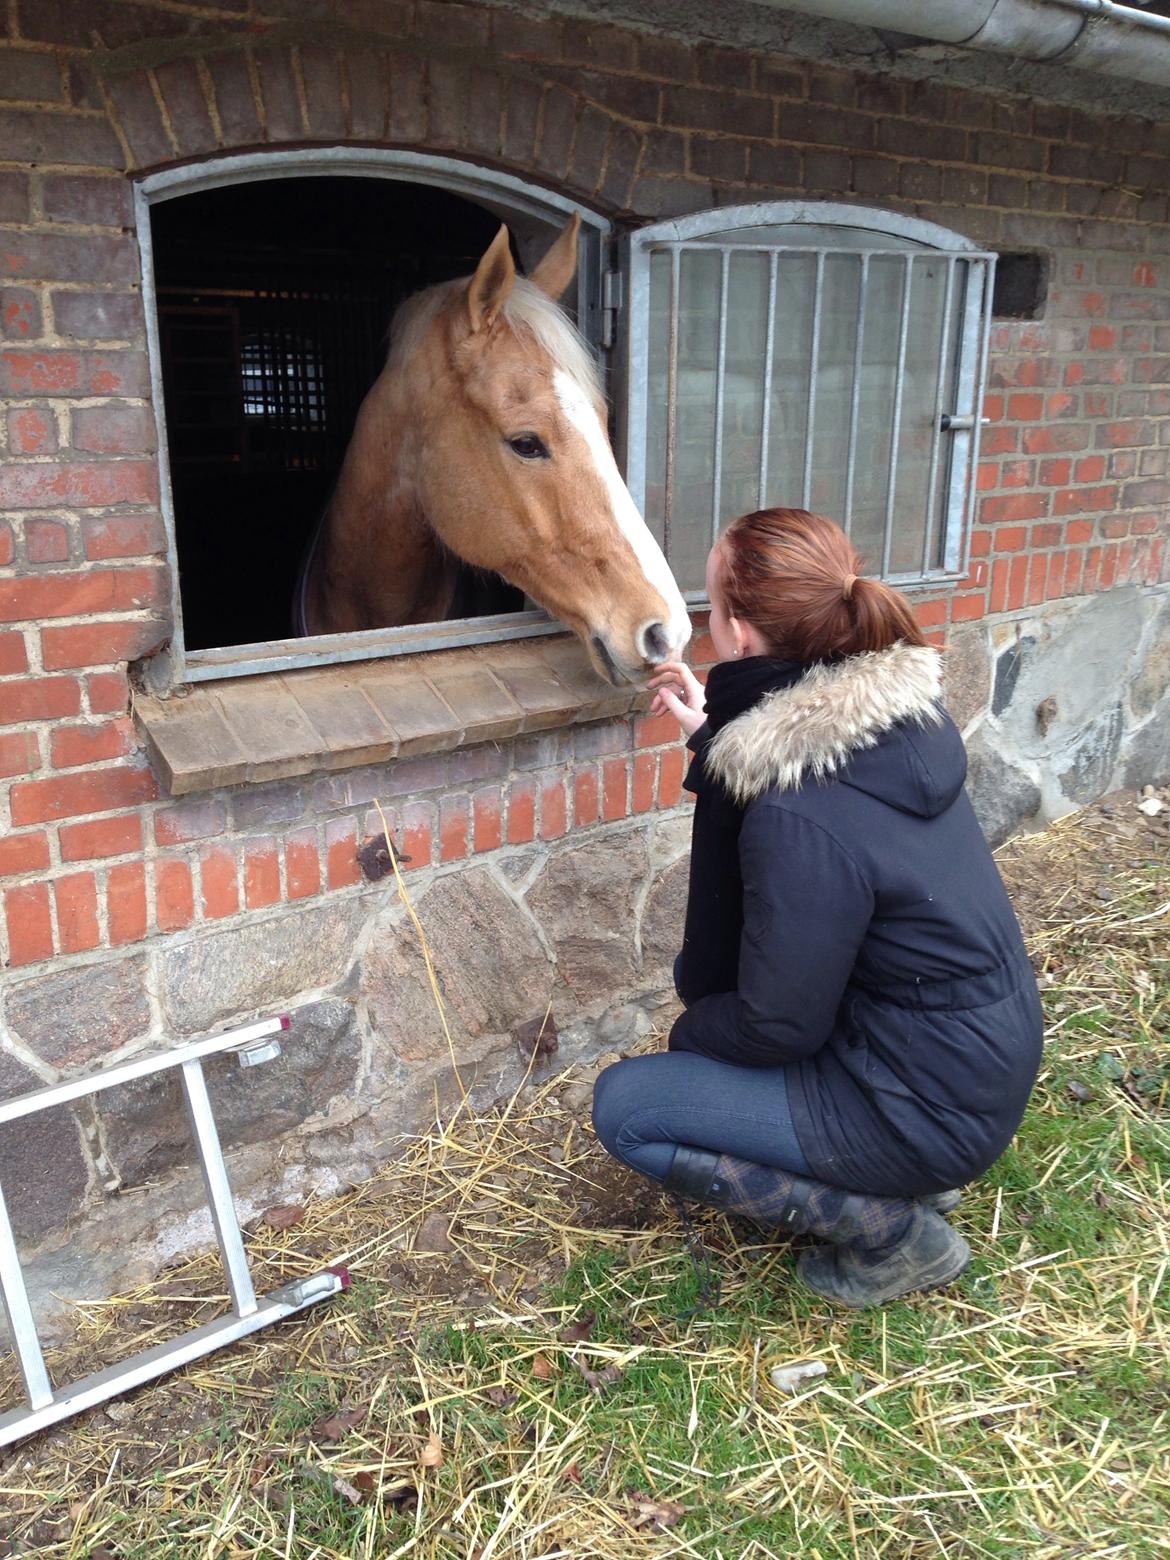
(655, 642)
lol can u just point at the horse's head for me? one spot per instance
(514, 467)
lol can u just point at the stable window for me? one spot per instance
(273, 280)
(820, 356)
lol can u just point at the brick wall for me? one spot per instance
(1073, 478)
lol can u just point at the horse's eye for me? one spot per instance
(529, 447)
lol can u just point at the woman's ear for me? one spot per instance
(739, 636)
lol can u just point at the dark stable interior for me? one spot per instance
(274, 304)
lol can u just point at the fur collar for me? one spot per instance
(810, 728)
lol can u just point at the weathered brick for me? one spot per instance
(320, 71)
(219, 888)
(126, 908)
(20, 314)
(31, 372)
(234, 100)
(80, 484)
(73, 746)
(68, 796)
(75, 898)
(123, 536)
(103, 837)
(302, 864)
(186, 103)
(71, 595)
(68, 257)
(261, 873)
(13, 654)
(46, 541)
(92, 200)
(98, 316)
(278, 88)
(174, 895)
(615, 789)
(586, 796)
(21, 853)
(100, 644)
(31, 432)
(408, 110)
(19, 753)
(14, 203)
(64, 139)
(806, 124)
(141, 119)
(366, 73)
(30, 926)
(487, 819)
(28, 76)
(703, 108)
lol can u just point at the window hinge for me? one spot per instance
(611, 302)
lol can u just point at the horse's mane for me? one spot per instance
(529, 312)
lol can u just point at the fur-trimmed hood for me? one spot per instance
(820, 726)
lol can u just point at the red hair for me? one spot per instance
(798, 578)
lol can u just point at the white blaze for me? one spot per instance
(581, 412)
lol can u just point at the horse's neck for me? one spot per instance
(377, 561)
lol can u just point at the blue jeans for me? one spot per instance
(645, 1106)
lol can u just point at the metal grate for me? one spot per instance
(837, 371)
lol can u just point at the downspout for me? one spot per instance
(1098, 35)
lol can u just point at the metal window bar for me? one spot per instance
(253, 1043)
(960, 368)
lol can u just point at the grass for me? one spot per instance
(1025, 1411)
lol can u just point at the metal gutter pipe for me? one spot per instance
(1098, 35)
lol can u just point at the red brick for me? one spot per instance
(77, 922)
(1025, 408)
(1055, 473)
(218, 882)
(1144, 525)
(1071, 501)
(107, 692)
(1109, 564)
(1046, 535)
(521, 812)
(986, 476)
(7, 544)
(342, 868)
(84, 198)
(123, 536)
(1018, 473)
(30, 926)
(1055, 586)
(302, 864)
(1037, 578)
(174, 895)
(1072, 573)
(1018, 583)
(100, 643)
(13, 656)
(20, 753)
(454, 821)
(418, 819)
(965, 608)
(76, 594)
(67, 796)
(1078, 531)
(1010, 538)
(1090, 468)
(23, 853)
(78, 484)
(46, 541)
(553, 807)
(1015, 506)
(27, 372)
(113, 430)
(586, 798)
(261, 874)
(74, 745)
(126, 903)
(655, 730)
(980, 544)
(999, 441)
(103, 837)
(1055, 437)
(39, 698)
(615, 789)
(997, 596)
(671, 769)
(21, 316)
(487, 819)
(31, 432)
(645, 781)
(930, 613)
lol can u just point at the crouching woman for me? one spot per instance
(862, 1026)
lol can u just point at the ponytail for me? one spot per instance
(797, 578)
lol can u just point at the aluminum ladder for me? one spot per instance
(254, 1044)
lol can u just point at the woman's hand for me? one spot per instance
(679, 693)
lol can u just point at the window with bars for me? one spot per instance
(822, 356)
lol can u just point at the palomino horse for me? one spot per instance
(484, 440)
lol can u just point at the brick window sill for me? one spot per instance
(280, 725)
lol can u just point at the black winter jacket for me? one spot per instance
(846, 921)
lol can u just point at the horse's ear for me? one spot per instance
(559, 266)
(494, 278)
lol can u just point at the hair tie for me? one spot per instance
(847, 587)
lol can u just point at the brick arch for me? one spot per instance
(508, 114)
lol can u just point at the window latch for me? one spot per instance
(955, 422)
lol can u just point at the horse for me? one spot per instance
(483, 442)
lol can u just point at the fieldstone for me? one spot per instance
(70, 1017)
(966, 674)
(43, 1169)
(491, 969)
(662, 923)
(1147, 759)
(1007, 672)
(585, 902)
(671, 837)
(1003, 796)
(146, 1127)
(262, 965)
(1093, 758)
(1153, 677)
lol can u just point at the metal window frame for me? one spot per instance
(957, 506)
(176, 666)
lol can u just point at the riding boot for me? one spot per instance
(882, 1246)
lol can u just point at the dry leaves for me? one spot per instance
(542, 1367)
(581, 1330)
(648, 1512)
(434, 1234)
(431, 1455)
(501, 1397)
(598, 1380)
(285, 1217)
(332, 1427)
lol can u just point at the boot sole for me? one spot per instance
(937, 1277)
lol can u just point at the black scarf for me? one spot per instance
(736, 686)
